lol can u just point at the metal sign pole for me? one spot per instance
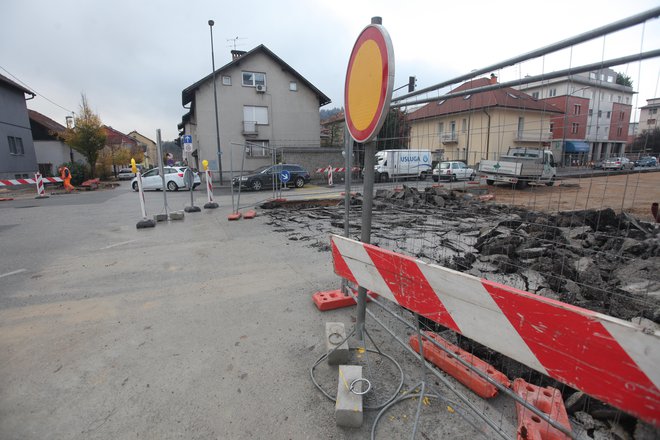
(365, 236)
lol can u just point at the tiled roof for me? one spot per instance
(503, 98)
(117, 137)
(46, 122)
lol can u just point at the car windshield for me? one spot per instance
(261, 170)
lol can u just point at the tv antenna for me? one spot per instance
(234, 42)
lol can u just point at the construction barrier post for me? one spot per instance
(145, 222)
(41, 192)
(330, 182)
(210, 204)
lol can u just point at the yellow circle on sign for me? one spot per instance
(364, 87)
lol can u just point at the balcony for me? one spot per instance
(449, 138)
(250, 129)
(533, 136)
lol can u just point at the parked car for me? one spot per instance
(618, 163)
(598, 165)
(173, 179)
(453, 170)
(265, 176)
(648, 161)
(125, 174)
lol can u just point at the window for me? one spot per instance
(621, 116)
(653, 111)
(441, 128)
(552, 127)
(552, 92)
(293, 86)
(600, 113)
(452, 124)
(618, 98)
(521, 126)
(627, 99)
(535, 95)
(610, 78)
(609, 114)
(619, 131)
(575, 127)
(258, 115)
(464, 125)
(226, 80)
(253, 79)
(257, 149)
(576, 109)
(592, 75)
(15, 146)
(650, 121)
(591, 112)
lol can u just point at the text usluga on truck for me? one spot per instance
(521, 166)
(402, 164)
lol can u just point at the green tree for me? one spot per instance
(647, 142)
(87, 135)
(623, 80)
(394, 134)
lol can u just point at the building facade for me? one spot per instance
(607, 115)
(17, 156)
(148, 146)
(263, 105)
(50, 149)
(648, 115)
(481, 125)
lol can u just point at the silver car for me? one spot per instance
(618, 163)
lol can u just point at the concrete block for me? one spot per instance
(176, 215)
(348, 408)
(160, 217)
(335, 332)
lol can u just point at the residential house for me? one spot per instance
(263, 105)
(332, 130)
(597, 118)
(114, 143)
(50, 149)
(17, 156)
(481, 125)
(148, 146)
(648, 115)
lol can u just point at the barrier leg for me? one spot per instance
(145, 222)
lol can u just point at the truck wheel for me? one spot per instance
(422, 176)
(521, 184)
(489, 182)
(454, 178)
(472, 176)
(384, 178)
(551, 181)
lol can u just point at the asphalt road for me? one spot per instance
(201, 328)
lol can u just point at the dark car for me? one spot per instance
(265, 176)
(646, 162)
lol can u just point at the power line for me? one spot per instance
(33, 90)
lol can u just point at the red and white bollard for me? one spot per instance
(41, 191)
(210, 204)
(330, 183)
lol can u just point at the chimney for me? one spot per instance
(236, 54)
(493, 78)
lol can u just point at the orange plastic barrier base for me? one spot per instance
(548, 400)
(234, 216)
(250, 214)
(6, 199)
(334, 299)
(464, 375)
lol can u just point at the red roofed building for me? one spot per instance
(481, 125)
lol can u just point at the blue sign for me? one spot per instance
(285, 176)
(187, 139)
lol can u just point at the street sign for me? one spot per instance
(187, 143)
(369, 83)
(285, 176)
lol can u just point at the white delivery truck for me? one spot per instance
(402, 164)
(521, 166)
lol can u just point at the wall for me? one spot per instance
(55, 153)
(14, 121)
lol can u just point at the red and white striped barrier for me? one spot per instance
(336, 169)
(209, 186)
(608, 358)
(10, 182)
(38, 181)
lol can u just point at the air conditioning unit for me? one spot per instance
(261, 88)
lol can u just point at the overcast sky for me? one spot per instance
(132, 58)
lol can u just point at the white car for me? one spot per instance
(453, 170)
(173, 179)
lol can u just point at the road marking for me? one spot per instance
(12, 273)
(118, 244)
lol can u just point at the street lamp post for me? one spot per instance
(215, 103)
